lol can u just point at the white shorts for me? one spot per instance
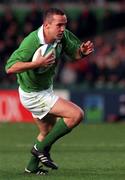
(38, 103)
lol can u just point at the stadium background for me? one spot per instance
(95, 150)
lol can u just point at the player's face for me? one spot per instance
(57, 27)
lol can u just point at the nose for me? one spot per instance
(62, 28)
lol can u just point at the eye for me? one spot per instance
(61, 25)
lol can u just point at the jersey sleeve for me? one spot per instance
(70, 44)
(25, 51)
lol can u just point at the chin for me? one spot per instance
(59, 37)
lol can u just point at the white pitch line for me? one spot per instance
(80, 145)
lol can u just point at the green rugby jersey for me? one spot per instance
(33, 80)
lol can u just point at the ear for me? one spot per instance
(46, 25)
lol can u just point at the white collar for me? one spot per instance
(41, 37)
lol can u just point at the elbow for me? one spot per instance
(12, 70)
(9, 71)
(6, 70)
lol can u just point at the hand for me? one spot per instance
(87, 48)
(45, 61)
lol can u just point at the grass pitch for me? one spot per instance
(89, 152)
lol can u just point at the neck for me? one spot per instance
(47, 38)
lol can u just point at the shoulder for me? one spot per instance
(67, 33)
(65, 38)
(32, 36)
(69, 36)
(31, 39)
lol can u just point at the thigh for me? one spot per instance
(64, 108)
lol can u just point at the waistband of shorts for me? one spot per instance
(21, 90)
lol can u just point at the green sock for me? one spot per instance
(33, 163)
(59, 130)
(46, 149)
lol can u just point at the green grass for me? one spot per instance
(89, 152)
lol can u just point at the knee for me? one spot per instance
(79, 116)
(76, 118)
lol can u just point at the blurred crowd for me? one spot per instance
(105, 67)
(60, 1)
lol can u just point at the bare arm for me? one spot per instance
(39, 62)
(20, 67)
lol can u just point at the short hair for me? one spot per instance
(50, 12)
